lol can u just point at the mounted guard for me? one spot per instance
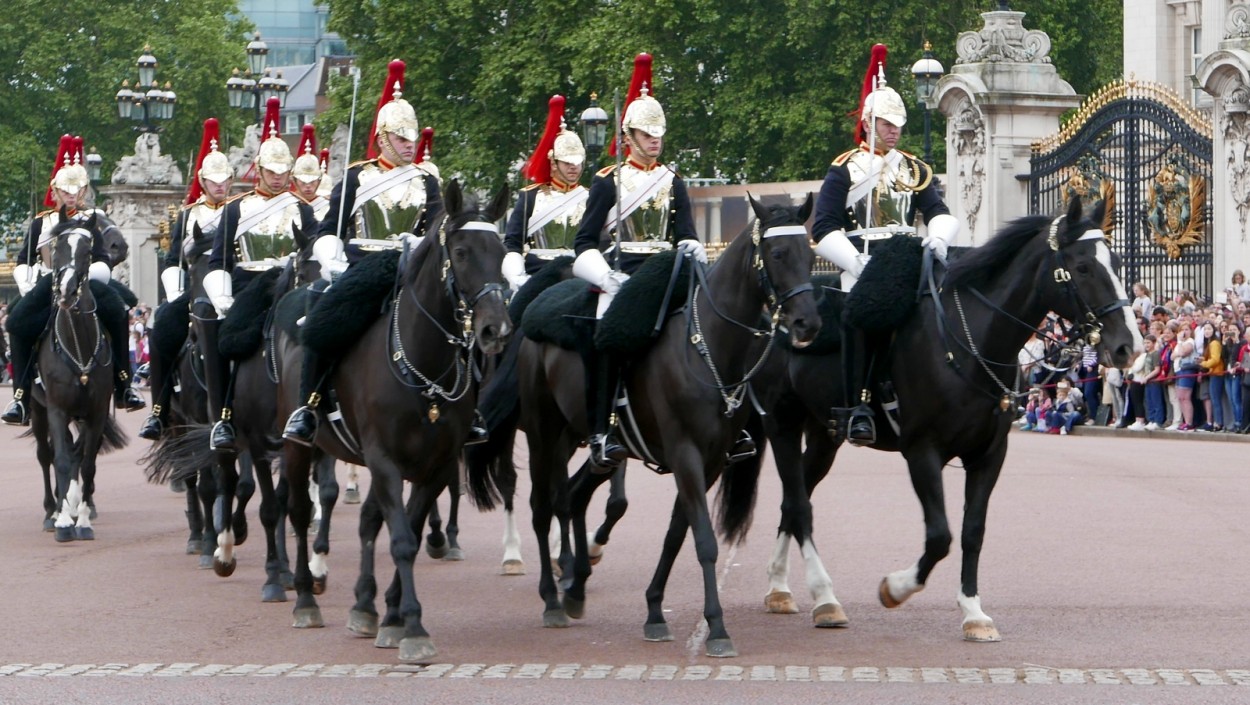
(870, 194)
(548, 212)
(30, 316)
(308, 174)
(260, 232)
(203, 209)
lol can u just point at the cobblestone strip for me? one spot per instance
(1030, 675)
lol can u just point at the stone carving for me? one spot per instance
(970, 155)
(147, 165)
(1177, 200)
(1238, 99)
(1237, 22)
(1003, 38)
(241, 157)
(1236, 128)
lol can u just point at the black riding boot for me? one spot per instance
(217, 377)
(301, 427)
(124, 396)
(18, 411)
(861, 429)
(161, 382)
(606, 454)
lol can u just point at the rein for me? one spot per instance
(734, 394)
(64, 329)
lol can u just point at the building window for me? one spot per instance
(294, 123)
(1195, 38)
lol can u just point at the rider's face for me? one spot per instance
(273, 182)
(649, 147)
(887, 134)
(216, 191)
(307, 190)
(397, 149)
(569, 173)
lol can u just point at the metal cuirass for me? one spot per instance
(394, 211)
(272, 238)
(649, 222)
(558, 234)
(209, 220)
(890, 199)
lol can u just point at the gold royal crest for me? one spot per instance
(1177, 202)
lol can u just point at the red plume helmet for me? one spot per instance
(876, 62)
(325, 160)
(64, 155)
(78, 156)
(425, 147)
(394, 78)
(307, 140)
(270, 127)
(642, 77)
(538, 168)
(208, 142)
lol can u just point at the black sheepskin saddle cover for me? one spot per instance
(345, 311)
(830, 302)
(554, 272)
(30, 315)
(243, 330)
(127, 296)
(173, 320)
(628, 327)
(563, 314)
(885, 294)
(294, 305)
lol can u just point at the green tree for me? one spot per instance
(63, 79)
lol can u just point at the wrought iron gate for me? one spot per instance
(1143, 149)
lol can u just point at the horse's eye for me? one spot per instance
(459, 253)
(1083, 269)
(777, 254)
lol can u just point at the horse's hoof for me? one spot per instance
(513, 566)
(319, 584)
(223, 569)
(575, 609)
(178, 486)
(206, 562)
(595, 555)
(721, 648)
(64, 534)
(829, 616)
(981, 630)
(435, 552)
(286, 579)
(555, 618)
(194, 547)
(308, 618)
(454, 554)
(417, 649)
(84, 533)
(269, 592)
(389, 637)
(362, 624)
(887, 600)
(351, 496)
(657, 632)
(780, 602)
(93, 514)
(49, 524)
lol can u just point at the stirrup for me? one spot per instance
(606, 455)
(222, 437)
(131, 400)
(152, 428)
(861, 430)
(743, 448)
(301, 427)
(16, 414)
(477, 430)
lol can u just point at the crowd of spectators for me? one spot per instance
(1192, 377)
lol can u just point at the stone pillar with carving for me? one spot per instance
(143, 187)
(1225, 74)
(1001, 95)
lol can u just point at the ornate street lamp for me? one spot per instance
(256, 85)
(594, 129)
(147, 102)
(94, 164)
(927, 71)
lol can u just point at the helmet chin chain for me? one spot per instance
(388, 151)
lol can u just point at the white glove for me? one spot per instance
(100, 272)
(940, 232)
(220, 291)
(329, 253)
(837, 248)
(171, 277)
(25, 276)
(592, 267)
(694, 248)
(514, 270)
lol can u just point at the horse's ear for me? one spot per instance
(64, 215)
(1074, 211)
(761, 214)
(1099, 213)
(498, 205)
(805, 210)
(91, 222)
(453, 198)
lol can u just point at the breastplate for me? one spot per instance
(394, 211)
(559, 233)
(648, 222)
(272, 238)
(209, 220)
(891, 196)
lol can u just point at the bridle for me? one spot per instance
(65, 337)
(734, 394)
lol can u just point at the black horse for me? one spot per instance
(406, 392)
(679, 391)
(953, 367)
(76, 373)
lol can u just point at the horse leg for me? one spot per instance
(207, 482)
(67, 489)
(656, 627)
(925, 468)
(44, 454)
(351, 493)
(613, 512)
(981, 476)
(391, 633)
(416, 645)
(454, 552)
(435, 541)
(243, 493)
(547, 479)
(297, 471)
(195, 520)
(814, 466)
(89, 443)
(363, 618)
(328, 494)
(512, 563)
(227, 478)
(272, 590)
(282, 494)
(581, 490)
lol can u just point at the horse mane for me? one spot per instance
(978, 263)
(440, 219)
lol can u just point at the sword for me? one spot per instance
(351, 125)
(877, 81)
(620, 149)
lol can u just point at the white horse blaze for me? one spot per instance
(1103, 254)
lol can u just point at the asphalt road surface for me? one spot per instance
(1115, 568)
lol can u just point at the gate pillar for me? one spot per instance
(1225, 74)
(1001, 96)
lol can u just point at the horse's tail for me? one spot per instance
(500, 405)
(179, 455)
(112, 438)
(735, 505)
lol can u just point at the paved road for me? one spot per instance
(1110, 561)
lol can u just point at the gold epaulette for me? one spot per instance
(362, 163)
(844, 157)
(531, 187)
(44, 214)
(605, 170)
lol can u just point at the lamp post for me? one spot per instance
(927, 71)
(594, 129)
(248, 93)
(148, 101)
